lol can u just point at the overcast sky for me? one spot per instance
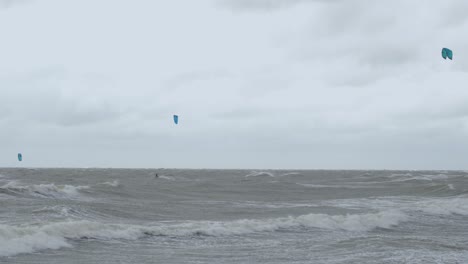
(296, 84)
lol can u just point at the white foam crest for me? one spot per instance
(44, 190)
(30, 238)
(27, 239)
(440, 176)
(354, 222)
(114, 183)
(444, 206)
(260, 174)
(424, 177)
(169, 178)
(291, 174)
(375, 203)
(400, 175)
(253, 204)
(17, 240)
(333, 186)
(416, 178)
(434, 206)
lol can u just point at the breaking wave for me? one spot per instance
(30, 238)
(260, 174)
(63, 211)
(43, 190)
(333, 186)
(292, 174)
(169, 178)
(445, 206)
(423, 177)
(114, 183)
(406, 204)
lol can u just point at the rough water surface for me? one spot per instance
(232, 216)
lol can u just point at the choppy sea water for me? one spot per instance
(232, 216)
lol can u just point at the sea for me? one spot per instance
(58, 216)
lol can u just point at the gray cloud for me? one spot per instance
(188, 78)
(39, 95)
(266, 5)
(11, 3)
(315, 84)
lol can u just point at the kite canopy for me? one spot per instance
(176, 119)
(447, 53)
(20, 157)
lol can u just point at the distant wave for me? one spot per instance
(274, 205)
(260, 174)
(419, 178)
(444, 206)
(408, 174)
(350, 186)
(407, 205)
(424, 177)
(169, 178)
(31, 238)
(59, 210)
(291, 174)
(42, 190)
(114, 183)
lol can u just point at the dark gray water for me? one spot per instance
(232, 216)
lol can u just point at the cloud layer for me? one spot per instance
(300, 84)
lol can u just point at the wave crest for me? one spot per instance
(114, 183)
(260, 174)
(445, 206)
(43, 190)
(24, 239)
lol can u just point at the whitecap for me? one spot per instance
(31, 238)
(260, 174)
(114, 183)
(44, 190)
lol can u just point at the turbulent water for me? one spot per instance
(232, 216)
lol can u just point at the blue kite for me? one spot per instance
(447, 53)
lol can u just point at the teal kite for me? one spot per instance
(20, 157)
(176, 119)
(447, 53)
